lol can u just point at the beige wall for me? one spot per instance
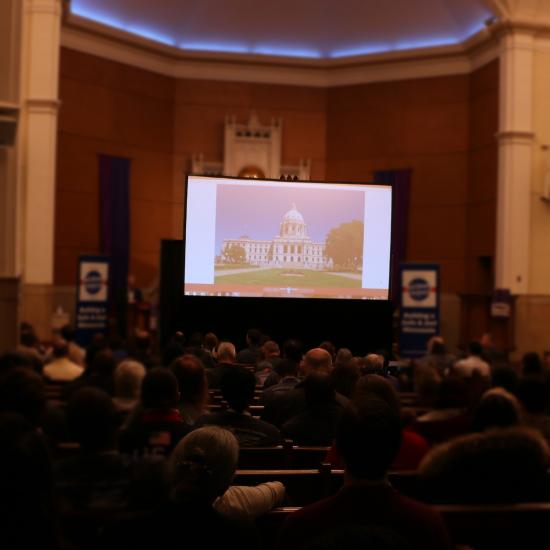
(539, 277)
(532, 327)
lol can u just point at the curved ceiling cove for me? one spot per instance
(308, 29)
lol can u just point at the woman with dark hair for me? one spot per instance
(193, 387)
(413, 446)
(497, 409)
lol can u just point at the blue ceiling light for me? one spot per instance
(104, 19)
(366, 49)
(474, 29)
(214, 47)
(412, 44)
(419, 43)
(205, 38)
(286, 51)
(109, 21)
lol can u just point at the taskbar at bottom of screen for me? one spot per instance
(286, 293)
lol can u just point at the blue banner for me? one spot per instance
(419, 307)
(93, 298)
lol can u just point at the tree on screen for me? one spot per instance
(235, 254)
(344, 245)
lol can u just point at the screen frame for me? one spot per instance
(240, 178)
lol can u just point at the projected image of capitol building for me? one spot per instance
(292, 247)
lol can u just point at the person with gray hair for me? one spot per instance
(215, 450)
(226, 363)
(203, 464)
(129, 375)
(374, 364)
(199, 470)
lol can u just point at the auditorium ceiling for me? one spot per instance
(306, 29)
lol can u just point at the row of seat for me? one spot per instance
(282, 457)
(510, 526)
(305, 486)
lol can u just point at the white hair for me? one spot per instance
(128, 378)
(226, 350)
(210, 450)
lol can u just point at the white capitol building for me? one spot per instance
(291, 248)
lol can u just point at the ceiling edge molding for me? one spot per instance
(122, 47)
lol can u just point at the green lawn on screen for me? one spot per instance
(275, 277)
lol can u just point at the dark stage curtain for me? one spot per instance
(401, 181)
(114, 180)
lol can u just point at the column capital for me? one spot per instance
(43, 105)
(516, 136)
(520, 10)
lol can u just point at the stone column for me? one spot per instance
(37, 147)
(10, 47)
(516, 139)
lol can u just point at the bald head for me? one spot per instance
(317, 360)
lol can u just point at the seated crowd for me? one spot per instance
(123, 448)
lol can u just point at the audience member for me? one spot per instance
(237, 388)
(466, 367)
(200, 470)
(129, 375)
(504, 465)
(193, 387)
(211, 344)
(316, 425)
(343, 357)
(497, 409)
(426, 380)
(157, 426)
(270, 357)
(251, 354)
(345, 374)
(368, 439)
(288, 379)
(226, 363)
(283, 406)
(437, 356)
(195, 347)
(98, 478)
(413, 446)
(376, 363)
(61, 368)
(292, 353)
(76, 354)
(174, 349)
(29, 345)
